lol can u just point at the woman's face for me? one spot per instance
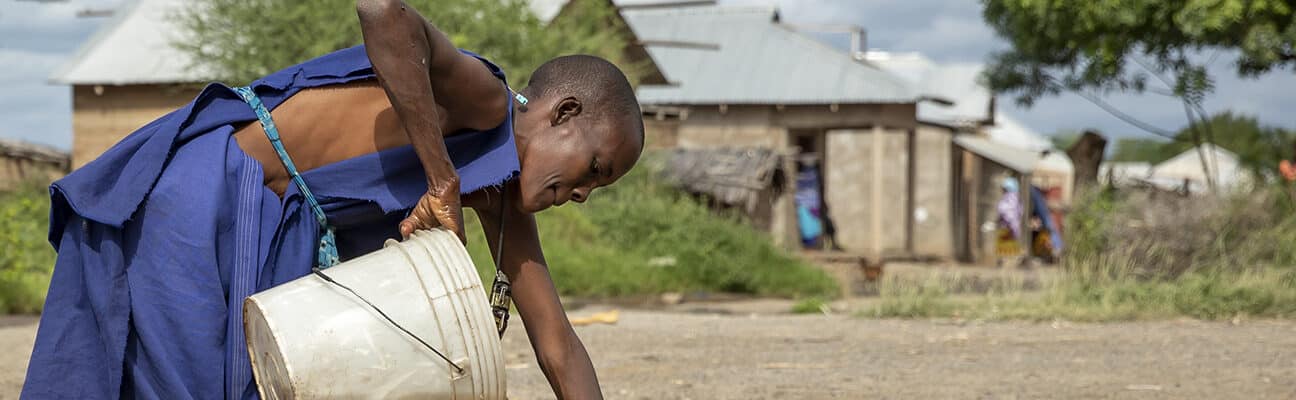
(566, 161)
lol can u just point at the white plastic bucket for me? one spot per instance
(310, 339)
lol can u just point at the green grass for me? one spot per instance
(1234, 258)
(1265, 294)
(27, 260)
(639, 237)
(810, 305)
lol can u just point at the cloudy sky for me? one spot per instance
(36, 38)
(953, 31)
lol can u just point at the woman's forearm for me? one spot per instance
(575, 377)
(403, 53)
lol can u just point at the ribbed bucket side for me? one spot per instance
(433, 261)
(456, 320)
(479, 318)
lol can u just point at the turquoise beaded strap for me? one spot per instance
(328, 254)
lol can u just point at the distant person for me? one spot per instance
(162, 238)
(1046, 237)
(809, 202)
(1008, 223)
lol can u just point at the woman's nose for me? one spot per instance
(580, 195)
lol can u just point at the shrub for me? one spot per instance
(27, 260)
(640, 237)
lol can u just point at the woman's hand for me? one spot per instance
(440, 206)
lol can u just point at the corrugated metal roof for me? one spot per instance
(957, 82)
(1014, 158)
(133, 48)
(1009, 131)
(758, 61)
(547, 10)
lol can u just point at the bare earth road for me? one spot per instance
(732, 354)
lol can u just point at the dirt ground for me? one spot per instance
(752, 350)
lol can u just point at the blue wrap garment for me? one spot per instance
(161, 238)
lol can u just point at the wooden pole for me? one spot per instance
(877, 137)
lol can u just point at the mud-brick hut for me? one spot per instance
(29, 162)
(739, 78)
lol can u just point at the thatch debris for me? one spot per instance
(20, 150)
(733, 177)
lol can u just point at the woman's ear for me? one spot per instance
(564, 110)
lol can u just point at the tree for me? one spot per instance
(1086, 155)
(1087, 45)
(242, 40)
(1142, 150)
(1093, 48)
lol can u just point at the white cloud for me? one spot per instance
(953, 31)
(951, 38)
(36, 39)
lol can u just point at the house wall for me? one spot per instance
(867, 189)
(101, 118)
(660, 133)
(736, 126)
(934, 223)
(848, 171)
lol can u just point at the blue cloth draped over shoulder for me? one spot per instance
(162, 237)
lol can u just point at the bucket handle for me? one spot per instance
(459, 370)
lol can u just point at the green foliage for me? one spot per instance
(1093, 45)
(1141, 150)
(1210, 297)
(639, 237)
(242, 40)
(1086, 226)
(1129, 258)
(811, 305)
(27, 260)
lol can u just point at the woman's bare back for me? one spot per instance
(324, 125)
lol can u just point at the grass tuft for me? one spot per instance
(1136, 258)
(811, 305)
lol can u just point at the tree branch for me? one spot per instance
(1126, 117)
(1166, 81)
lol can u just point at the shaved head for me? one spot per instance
(599, 84)
(582, 130)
